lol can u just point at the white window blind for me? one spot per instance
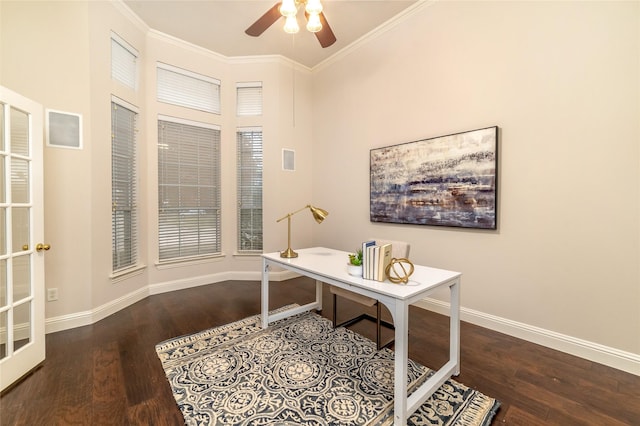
(188, 189)
(188, 89)
(124, 62)
(249, 98)
(123, 187)
(249, 163)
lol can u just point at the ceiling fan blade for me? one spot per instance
(265, 21)
(325, 36)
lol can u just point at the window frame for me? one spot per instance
(249, 169)
(130, 238)
(171, 196)
(187, 89)
(120, 71)
(249, 101)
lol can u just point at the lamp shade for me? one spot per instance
(314, 25)
(291, 25)
(318, 214)
(313, 7)
(288, 8)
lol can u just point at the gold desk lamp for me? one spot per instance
(318, 214)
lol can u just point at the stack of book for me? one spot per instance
(375, 259)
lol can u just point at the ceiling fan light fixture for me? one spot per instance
(288, 8)
(313, 7)
(317, 22)
(313, 24)
(291, 25)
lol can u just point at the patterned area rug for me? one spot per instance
(301, 371)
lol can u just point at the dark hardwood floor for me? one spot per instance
(108, 372)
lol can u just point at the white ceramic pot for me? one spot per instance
(354, 270)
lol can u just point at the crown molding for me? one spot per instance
(375, 33)
(129, 14)
(160, 36)
(126, 11)
(279, 59)
(232, 60)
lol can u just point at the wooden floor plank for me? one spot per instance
(109, 373)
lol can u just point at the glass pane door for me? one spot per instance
(21, 266)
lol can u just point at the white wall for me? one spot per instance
(561, 80)
(44, 56)
(58, 54)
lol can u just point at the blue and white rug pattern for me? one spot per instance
(301, 371)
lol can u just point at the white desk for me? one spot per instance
(330, 266)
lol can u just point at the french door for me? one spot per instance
(22, 344)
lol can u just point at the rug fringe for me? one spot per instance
(479, 411)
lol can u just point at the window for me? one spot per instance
(188, 89)
(249, 98)
(123, 186)
(249, 153)
(188, 189)
(124, 62)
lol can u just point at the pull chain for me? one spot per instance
(293, 80)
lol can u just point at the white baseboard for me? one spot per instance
(611, 357)
(66, 322)
(175, 285)
(216, 278)
(621, 360)
(79, 319)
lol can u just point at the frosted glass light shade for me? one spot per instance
(314, 25)
(288, 8)
(313, 7)
(291, 25)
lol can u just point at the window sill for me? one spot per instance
(127, 273)
(247, 254)
(188, 261)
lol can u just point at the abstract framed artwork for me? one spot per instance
(443, 181)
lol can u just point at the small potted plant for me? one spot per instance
(354, 267)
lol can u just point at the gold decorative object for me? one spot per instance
(396, 271)
(318, 214)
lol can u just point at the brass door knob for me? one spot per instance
(41, 247)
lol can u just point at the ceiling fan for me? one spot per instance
(317, 23)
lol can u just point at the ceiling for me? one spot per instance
(218, 25)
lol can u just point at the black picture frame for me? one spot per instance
(447, 180)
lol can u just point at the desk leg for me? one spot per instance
(454, 326)
(319, 295)
(401, 320)
(265, 294)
